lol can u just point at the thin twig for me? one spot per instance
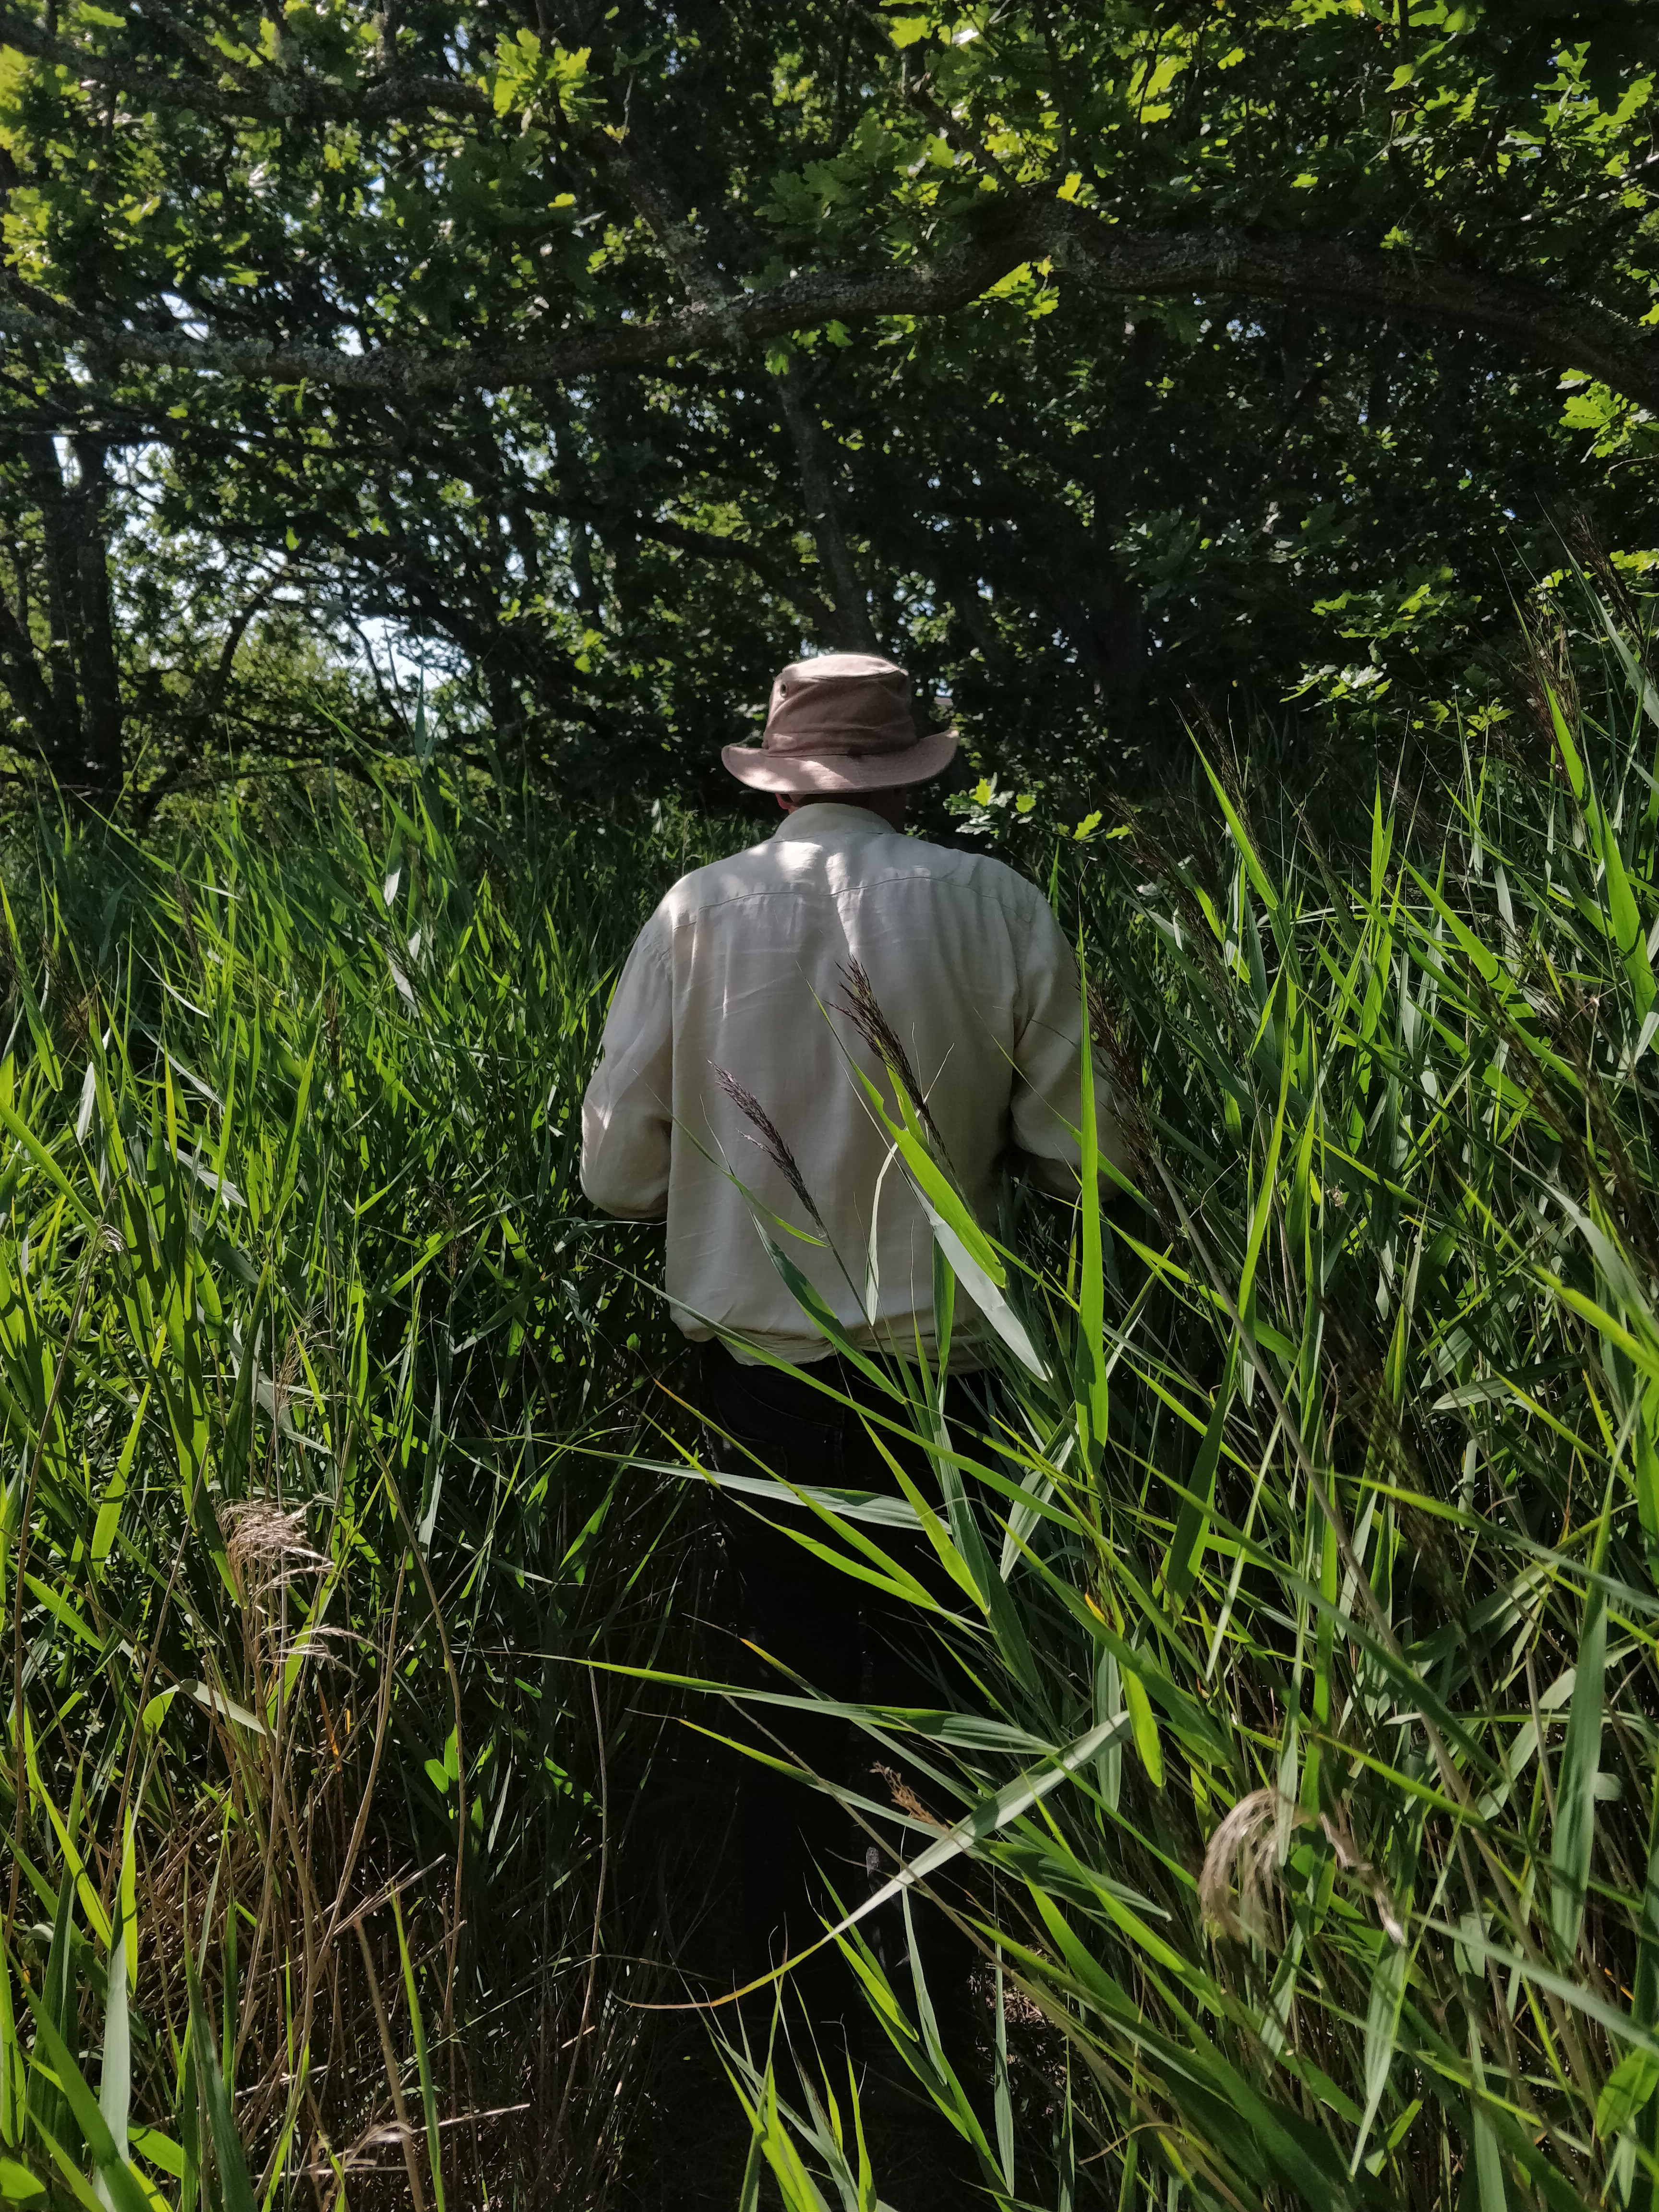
(406, 2134)
(20, 1763)
(599, 1908)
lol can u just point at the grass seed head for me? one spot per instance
(769, 1139)
(863, 1009)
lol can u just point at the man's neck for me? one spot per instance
(887, 806)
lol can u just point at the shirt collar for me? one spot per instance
(827, 816)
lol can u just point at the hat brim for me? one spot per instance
(826, 774)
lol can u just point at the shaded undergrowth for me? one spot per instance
(1299, 1706)
(316, 1820)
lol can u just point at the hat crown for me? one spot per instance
(841, 722)
(853, 703)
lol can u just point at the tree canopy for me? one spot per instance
(1110, 363)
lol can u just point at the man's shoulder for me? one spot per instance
(755, 869)
(976, 873)
(785, 863)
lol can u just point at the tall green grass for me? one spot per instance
(1297, 1716)
(1298, 1722)
(312, 1793)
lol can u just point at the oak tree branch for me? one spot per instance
(1540, 323)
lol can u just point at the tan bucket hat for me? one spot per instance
(840, 722)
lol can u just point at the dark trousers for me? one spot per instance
(847, 1640)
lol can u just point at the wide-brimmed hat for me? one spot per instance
(841, 722)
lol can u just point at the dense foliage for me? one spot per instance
(1303, 1662)
(310, 1367)
(1104, 361)
(1297, 1716)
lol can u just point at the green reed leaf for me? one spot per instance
(1574, 1838)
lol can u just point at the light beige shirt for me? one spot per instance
(743, 968)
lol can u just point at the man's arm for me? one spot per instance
(1046, 1108)
(627, 1120)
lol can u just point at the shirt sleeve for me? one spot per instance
(1046, 1108)
(628, 1119)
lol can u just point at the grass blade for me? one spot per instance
(428, 2103)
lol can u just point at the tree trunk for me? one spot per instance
(20, 672)
(62, 595)
(75, 707)
(854, 630)
(101, 714)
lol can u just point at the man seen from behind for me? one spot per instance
(727, 1092)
